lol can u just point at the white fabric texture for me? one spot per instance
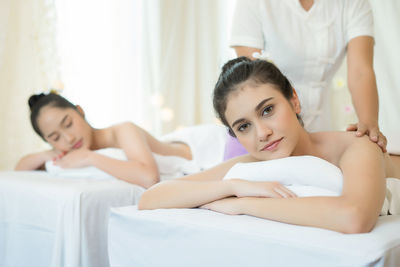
(206, 142)
(57, 222)
(387, 62)
(308, 47)
(181, 60)
(28, 63)
(198, 238)
(301, 170)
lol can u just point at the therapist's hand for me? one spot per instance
(372, 130)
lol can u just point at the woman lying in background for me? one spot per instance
(63, 125)
(259, 106)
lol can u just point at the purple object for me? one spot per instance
(233, 148)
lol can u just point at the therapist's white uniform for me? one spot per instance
(307, 46)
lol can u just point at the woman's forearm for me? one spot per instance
(129, 171)
(34, 161)
(185, 194)
(333, 213)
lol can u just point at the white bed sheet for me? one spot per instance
(52, 221)
(196, 237)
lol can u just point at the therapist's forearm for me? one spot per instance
(362, 85)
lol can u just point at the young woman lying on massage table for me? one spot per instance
(63, 125)
(259, 106)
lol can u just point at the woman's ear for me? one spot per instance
(295, 102)
(80, 110)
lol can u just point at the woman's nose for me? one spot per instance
(69, 137)
(263, 133)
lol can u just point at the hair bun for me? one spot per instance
(34, 99)
(231, 63)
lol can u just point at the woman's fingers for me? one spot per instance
(284, 192)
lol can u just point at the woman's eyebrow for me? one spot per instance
(237, 121)
(261, 104)
(258, 107)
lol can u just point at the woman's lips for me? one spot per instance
(78, 144)
(272, 145)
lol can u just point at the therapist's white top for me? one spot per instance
(307, 46)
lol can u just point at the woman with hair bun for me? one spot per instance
(258, 105)
(63, 125)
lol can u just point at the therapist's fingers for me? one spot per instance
(361, 129)
(374, 135)
(351, 127)
(382, 142)
(284, 192)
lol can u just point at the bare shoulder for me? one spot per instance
(124, 126)
(362, 154)
(334, 145)
(126, 130)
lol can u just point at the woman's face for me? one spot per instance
(64, 128)
(264, 121)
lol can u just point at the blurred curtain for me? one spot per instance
(387, 62)
(99, 44)
(28, 63)
(185, 46)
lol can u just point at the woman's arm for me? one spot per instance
(190, 191)
(355, 211)
(36, 161)
(362, 85)
(140, 168)
(201, 188)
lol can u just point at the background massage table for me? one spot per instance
(59, 218)
(52, 221)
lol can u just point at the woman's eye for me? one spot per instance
(243, 127)
(56, 139)
(69, 124)
(267, 110)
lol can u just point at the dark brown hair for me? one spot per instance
(239, 70)
(37, 102)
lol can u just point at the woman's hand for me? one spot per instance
(372, 130)
(78, 158)
(227, 206)
(244, 188)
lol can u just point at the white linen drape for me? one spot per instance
(184, 53)
(28, 63)
(387, 62)
(99, 43)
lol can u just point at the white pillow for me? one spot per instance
(293, 171)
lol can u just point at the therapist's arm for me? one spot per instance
(363, 89)
(244, 51)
